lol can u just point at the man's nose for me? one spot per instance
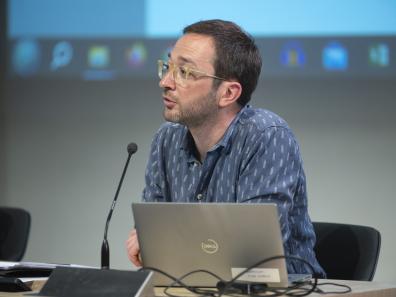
(167, 81)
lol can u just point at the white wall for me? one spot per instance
(64, 147)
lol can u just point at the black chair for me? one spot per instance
(347, 252)
(14, 233)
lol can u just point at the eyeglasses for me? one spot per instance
(181, 74)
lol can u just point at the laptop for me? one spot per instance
(224, 238)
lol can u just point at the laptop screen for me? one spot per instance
(222, 238)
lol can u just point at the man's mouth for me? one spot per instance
(169, 102)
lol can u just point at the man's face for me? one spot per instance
(190, 101)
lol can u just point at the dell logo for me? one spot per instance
(210, 246)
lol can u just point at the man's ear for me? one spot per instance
(230, 91)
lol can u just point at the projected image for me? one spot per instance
(104, 39)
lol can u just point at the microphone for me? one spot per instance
(105, 263)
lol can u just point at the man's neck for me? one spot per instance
(209, 133)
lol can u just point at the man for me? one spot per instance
(215, 147)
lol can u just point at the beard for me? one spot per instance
(193, 114)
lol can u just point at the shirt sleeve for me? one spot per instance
(154, 179)
(272, 172)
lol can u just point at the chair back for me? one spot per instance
(347, 252)
(14, 233)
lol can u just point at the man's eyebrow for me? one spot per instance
(183, 60)
(186, 60)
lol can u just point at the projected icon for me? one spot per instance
(62, 54)
(98, 56)
(292, 55)
(335, 57)
(136, 55)
(26, 57)
(379, 55)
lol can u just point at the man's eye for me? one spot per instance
(183, 72)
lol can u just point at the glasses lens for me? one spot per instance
(161, 69)
(178, 74)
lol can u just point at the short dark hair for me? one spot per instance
(237, 56)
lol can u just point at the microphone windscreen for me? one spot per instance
(132, 148)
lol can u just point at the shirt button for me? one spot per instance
(200, 197)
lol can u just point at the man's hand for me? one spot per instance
(133, 250)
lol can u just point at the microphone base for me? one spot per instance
(87, 282)
(105, 257)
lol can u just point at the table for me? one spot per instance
(359, 289)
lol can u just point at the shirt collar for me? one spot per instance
(187, 140)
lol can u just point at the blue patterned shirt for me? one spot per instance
(257, 160)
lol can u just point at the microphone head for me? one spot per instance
(132, 148)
